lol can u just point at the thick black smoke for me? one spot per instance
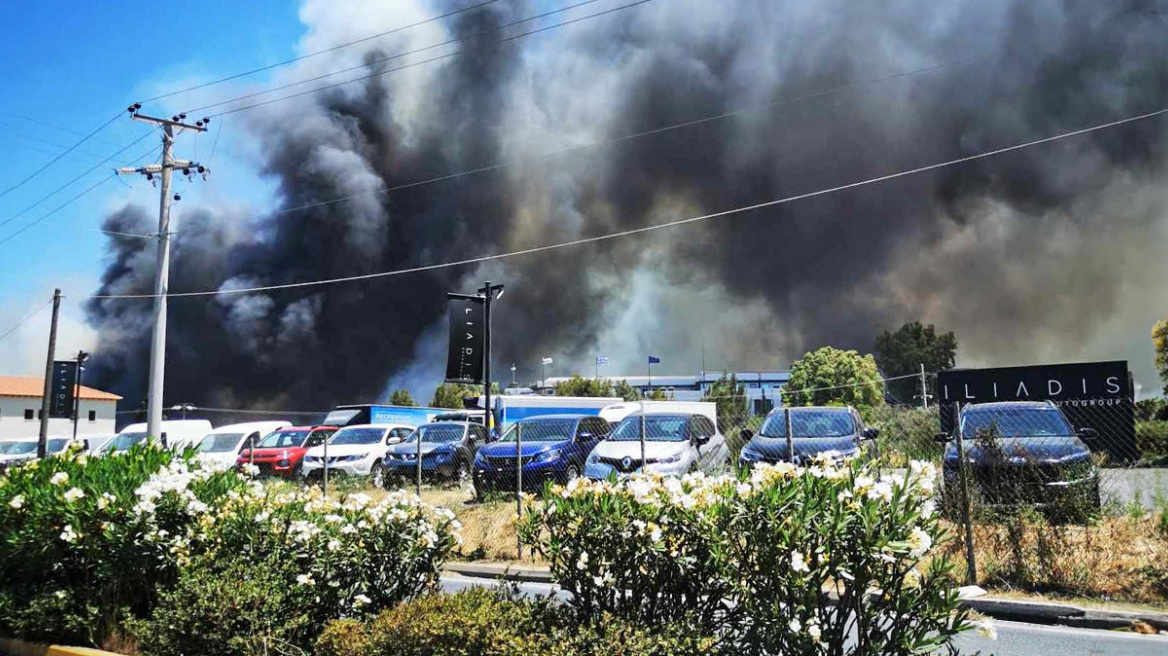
(1050, 252)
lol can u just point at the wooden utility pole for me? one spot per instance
(43, 439)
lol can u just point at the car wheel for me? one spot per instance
(572, 473)
(377, 474)
(462, 474)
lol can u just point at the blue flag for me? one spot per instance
(654, 360)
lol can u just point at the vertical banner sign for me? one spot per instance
(1092, 394)
(61, 394)
(464, 357)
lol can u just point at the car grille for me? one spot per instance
(1006, 483)
(619, 465)
(508, 462)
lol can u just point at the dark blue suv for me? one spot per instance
(551, 448)
(1021, 452)
(815, 430)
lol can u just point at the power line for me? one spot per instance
(70, 183)
(661, 226)
(68, 202)
(58, 157)
(410, 65)
(293, 60)
(616, 140)
(25, 320)
(46, 124)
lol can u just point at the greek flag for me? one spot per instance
(600, 359)
(547, 361)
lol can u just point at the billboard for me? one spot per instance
(62, 388)
(464, 355)
(1092, 394)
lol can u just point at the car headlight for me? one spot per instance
(593, 459)
(311, 459)
(749, 456)
(548, 456)
(671, 459)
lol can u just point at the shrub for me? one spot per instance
(306, 559)
(86, 540)
(906, 433)
(1152, 441)
(485, 622)
(752, 559)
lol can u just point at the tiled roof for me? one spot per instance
(27, 386)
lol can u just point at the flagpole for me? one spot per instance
(649, 389)
(597, 363)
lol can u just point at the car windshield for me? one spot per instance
(125, 440)
(658, 428)
(283, 439)
(19, 448)
(357, 436)
(546, 430)
(436, 433)
(810, 423)
(220, 442)
(57, 446)
(1036, 422)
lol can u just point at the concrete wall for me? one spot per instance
(13, 423)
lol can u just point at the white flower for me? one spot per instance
(74, 494)
(912, 579)
(928, 508)
(106, 500)
(814, 631)
(334, 544)
(986, 629)
(582, 562)
(798, 564)
(60, 478)
(17, 502)
(882, 491)
(919, 542)
(361, 600)
(794, 625)
(250, 469)
(305, 579)
(744, 489)
(69, 535)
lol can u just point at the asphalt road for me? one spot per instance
(1145, 486)
(1014, 638)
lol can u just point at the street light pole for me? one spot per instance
(82, 356)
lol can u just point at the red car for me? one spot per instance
(280, 452)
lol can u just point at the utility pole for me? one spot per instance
(162, 275)
(43, 440)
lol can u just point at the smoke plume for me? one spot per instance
(1053, 253)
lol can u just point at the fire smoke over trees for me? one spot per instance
(1050, 253)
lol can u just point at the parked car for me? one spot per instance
(223, 445)
(24, 449)
(675, 443)
(447, 447)
(552, 448)
(814, 430)
(177, 434)
(355, 451)
(1021, 452)
(281, 452)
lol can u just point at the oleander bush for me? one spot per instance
(482, 622)
(161, 544)
(783, 559)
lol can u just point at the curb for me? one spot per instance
(1033, 612)
(10, 647)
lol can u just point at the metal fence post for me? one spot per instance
(324, 479)
(642, 404)
(790, 438)
(966, 506)
(519, 484)
(418, 455)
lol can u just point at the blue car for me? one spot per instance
(447, 447)
(815, 430)
(551, 448)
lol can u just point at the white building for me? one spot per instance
(20, 410)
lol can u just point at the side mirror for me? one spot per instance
(702, 439)
(746, 434)
(870, 433)
(941, 437)
(1088, 433)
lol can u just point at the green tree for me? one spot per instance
(902, 353)
(730, 397)
(831, 376)
(1160, 341)
(626, 391)
(401, 397)
(450, 395)
(578, 385)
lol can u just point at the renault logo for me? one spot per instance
(627, 462)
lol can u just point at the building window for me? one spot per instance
(93, 415)
(28, 414)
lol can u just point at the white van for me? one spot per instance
(176, 434)
(223, 445)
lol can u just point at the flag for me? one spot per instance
(600, 359)
(654, 360)
(547, 361)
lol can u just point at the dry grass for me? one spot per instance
(1115, 558)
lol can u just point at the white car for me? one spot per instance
(177, 434)
(222, 446)
(675, 443)
(355, 451)
(23, 449)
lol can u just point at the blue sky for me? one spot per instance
(73, 65)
